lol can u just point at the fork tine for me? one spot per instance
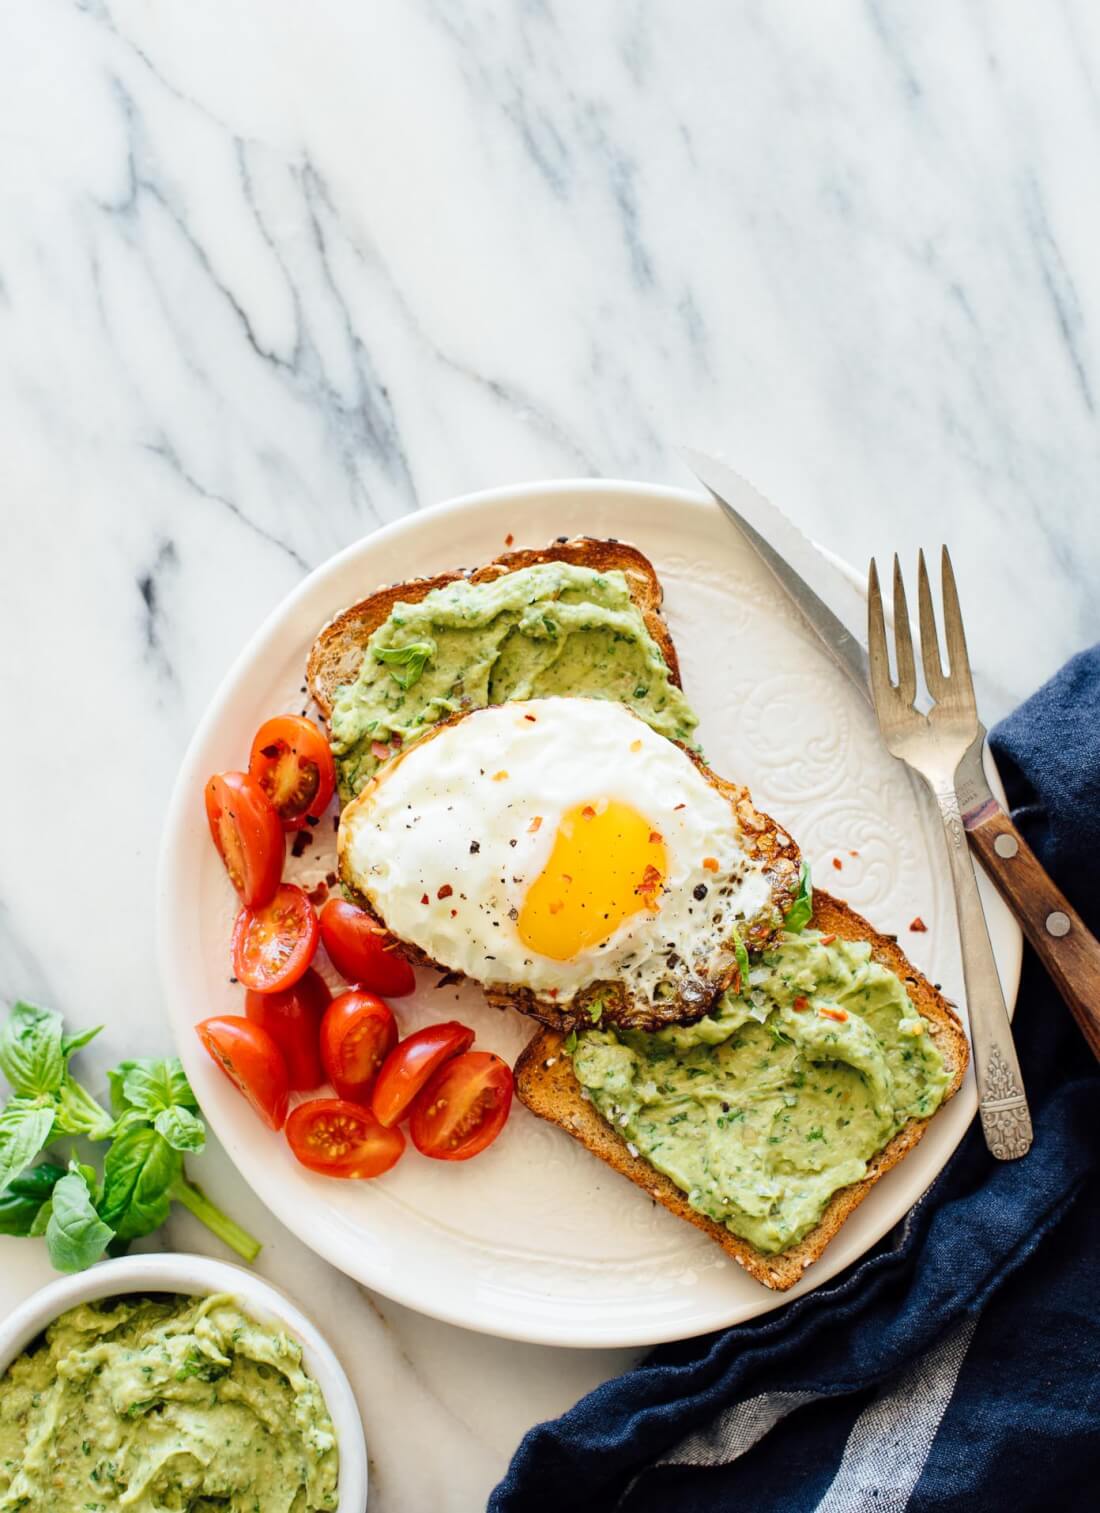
(877, 654)
(953, 627)
(903, 641)
(929, 640)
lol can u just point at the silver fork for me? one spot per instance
(934, 745)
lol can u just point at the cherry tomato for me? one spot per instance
(407, 1068)
(292, 763)
(273, 946)
(363, 952)
(248, 835)
(463, 1108)
(252, 1061)
(293, 1020)
(339, 1139)
(358, 1032)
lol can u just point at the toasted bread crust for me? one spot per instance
(338, 650)
(546, 1084)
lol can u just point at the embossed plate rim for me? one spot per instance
(548, 1303)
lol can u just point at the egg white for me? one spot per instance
(442, 846)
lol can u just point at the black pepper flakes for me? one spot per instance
(699, 891)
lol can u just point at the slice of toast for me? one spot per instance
(338, 650)
(546, 1084)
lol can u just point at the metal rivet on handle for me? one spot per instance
(1057, 923)
(1006, 845)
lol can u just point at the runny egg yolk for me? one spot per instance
(607, 863)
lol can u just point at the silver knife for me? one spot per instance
(827, 600)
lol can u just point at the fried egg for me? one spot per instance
(556, 846)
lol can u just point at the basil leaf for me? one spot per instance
(42, 1219)
(70, 1044)
(406, 663)
(742, 962)
(25, 1127)
(138, 1172)
(155, 1085)
(183, 1130)
(25, 1198)
(79, 1114)
(116, 1081)
(31, 1057)
(799, 914)
(76, 1236)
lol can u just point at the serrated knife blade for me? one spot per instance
(826, 599)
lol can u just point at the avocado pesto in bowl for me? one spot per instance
(119, 1391)
(784, 1094)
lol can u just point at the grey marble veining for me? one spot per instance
(271, 274)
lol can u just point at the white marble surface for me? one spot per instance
(273, 273)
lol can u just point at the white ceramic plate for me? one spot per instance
(535, 1239)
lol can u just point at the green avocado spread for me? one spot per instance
(762, 1110)
(165, 1403)
(551, 629)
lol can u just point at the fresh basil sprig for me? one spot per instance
(799, 914)
(406, 664)
(155, 1120)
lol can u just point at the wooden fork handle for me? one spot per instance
(1069, 950)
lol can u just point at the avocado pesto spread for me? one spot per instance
(165, 1403)
(762, 1110)
(549, 629)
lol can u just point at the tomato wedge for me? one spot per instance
(273, 945)
(358, 1032)
(363, 952)
(252, 1061)
(407, 1068)
(293, 1020)
(292, 763)
(248, 835)
(463, 1108)
(339, 1139)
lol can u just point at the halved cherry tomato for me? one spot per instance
(273, 946)
(248, 835)
(358, 1032)
(292, 763)
(463, 1108)
(252, 1061)
(407, 1068)
(293, 1020)
(363, 952)
(340, 1139)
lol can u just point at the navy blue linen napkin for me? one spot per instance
(958, 1363)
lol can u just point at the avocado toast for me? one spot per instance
(372, 718)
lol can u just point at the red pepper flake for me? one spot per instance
(853, 853)
(566, 878)
(710, 863)
(499, 776)
(840, 1015)
(454, 913)
(655, 838)
(801, 1004)
(445, 891)
(556, 907)
(588, 813)
(423, 898)
(827, 940)
(509, 539)
(531, 717)
(837, 863)
(919, 926)
(553, 992)
(680, 806)
(535, 824)
(651, 881)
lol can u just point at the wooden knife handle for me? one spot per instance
(1069, 950)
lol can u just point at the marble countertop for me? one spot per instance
(271, 274)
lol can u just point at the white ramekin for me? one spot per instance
(196, 1276)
